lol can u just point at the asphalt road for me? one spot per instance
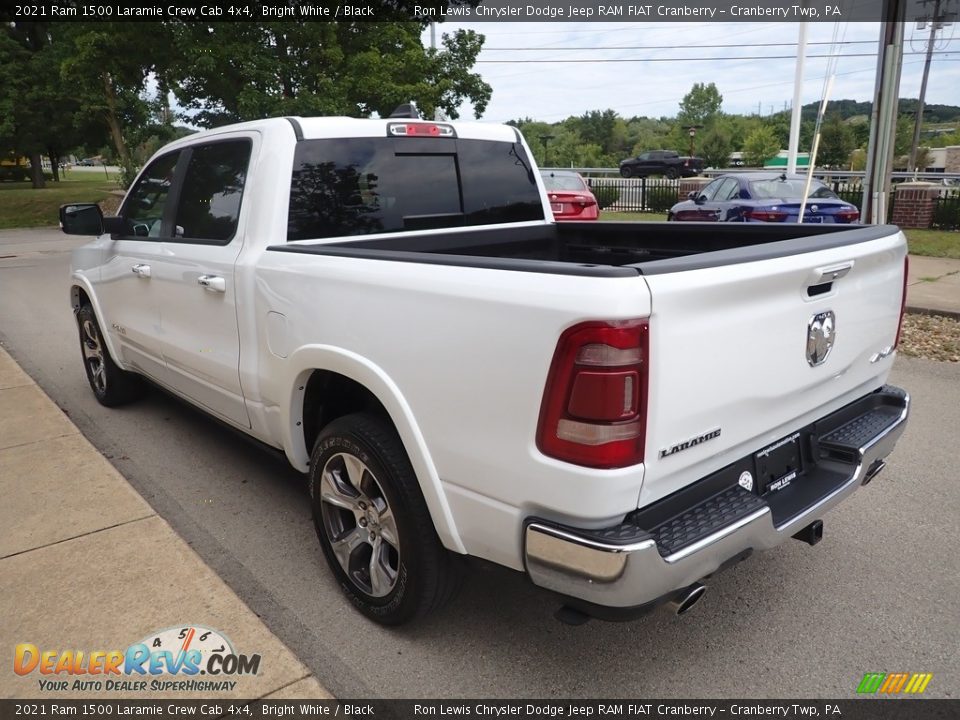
(881, 593)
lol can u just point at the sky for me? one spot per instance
(645, 86)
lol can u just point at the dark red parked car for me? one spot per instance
(570, 196)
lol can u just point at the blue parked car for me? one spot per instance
(763, 197)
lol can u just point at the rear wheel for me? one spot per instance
(672, 174)
(373, 524)
(111, 385)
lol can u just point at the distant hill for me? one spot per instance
(932, 113)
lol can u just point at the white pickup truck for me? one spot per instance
(619, 410)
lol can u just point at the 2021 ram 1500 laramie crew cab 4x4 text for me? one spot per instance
(617, 410)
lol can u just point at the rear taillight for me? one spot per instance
(763, 215)
(594, 409)
(850, 215)
(903, 299)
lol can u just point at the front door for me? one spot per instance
(127, 288)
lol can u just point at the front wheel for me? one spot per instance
(111, 385)
(626, 171)
(373, 524)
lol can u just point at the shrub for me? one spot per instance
(606, 195)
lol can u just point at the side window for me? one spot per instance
(711, 189)
(730, 190)
(144, 206)
(211, 192)
(644, 156)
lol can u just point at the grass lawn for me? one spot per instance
(933, 243)
(632, 216)
(22, 206)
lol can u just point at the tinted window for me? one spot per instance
(145, 204)
(212, 189)
(564, 181)
(791, 188)
(369, 185)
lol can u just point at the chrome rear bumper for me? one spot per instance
(623, 567)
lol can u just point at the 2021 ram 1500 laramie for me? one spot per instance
(617, 410)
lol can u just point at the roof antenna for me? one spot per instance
(783, 177)
(406, 110)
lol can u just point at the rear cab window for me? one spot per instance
(358, 186)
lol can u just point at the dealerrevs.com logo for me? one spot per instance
(190, 658)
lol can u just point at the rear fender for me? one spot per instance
(306, 360)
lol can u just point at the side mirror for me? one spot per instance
(692, 195)
(81, 219)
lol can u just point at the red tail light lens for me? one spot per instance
(594, 407)
(903, 300)
(764, 215)
(850, 215)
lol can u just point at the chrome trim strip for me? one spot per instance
(719, 535)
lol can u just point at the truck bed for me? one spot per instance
(600, 249)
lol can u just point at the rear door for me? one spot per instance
(730, 364)
(196, 280)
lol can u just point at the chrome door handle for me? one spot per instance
(141, 270)
(214, 283)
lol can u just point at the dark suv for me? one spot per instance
(668, 163)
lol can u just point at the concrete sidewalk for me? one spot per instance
(86, 564)
(933, 286)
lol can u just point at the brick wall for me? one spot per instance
(914, 204)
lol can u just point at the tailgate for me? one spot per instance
(729, 351)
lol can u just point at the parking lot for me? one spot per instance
(881, 593)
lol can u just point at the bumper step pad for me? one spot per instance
(853, 435)
(703, 520)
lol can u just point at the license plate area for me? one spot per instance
(814, 219)
(778, 465)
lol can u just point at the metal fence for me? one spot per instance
(657, 195)
(652, 195)
(946, 213)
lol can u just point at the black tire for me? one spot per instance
(366, 501)
(111, 385)
(626, 171)
(672, 174)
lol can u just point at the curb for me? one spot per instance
(913, 310)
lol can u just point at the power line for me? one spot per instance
(697, 59)
(674, 46)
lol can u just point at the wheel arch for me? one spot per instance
(327, 383)
(82, 294)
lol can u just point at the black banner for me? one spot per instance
(475, 11)
(857, 709)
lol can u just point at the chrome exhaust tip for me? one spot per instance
(684, 601)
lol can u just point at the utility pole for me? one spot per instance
(883, 120)
(797, 101)
(936, 23)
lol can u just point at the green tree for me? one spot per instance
(36, 106)
(759, 146)
(715, 147)
(108, 66)
(227, 72)
(700, 106)
(837, 141)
